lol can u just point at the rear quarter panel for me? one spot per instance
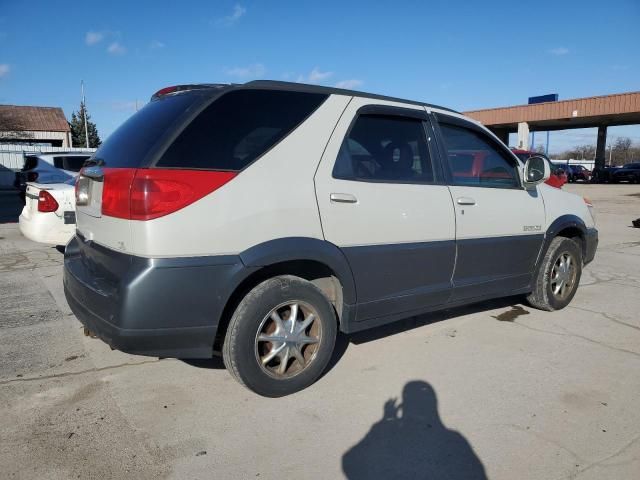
(272, 198)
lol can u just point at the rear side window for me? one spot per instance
(129, 145)
(475, 160)
(239, 127)
(72, 164)
(30, 163)
(385, 149)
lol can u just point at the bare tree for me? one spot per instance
(621, 149)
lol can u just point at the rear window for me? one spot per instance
(30, 163)
(129, 145)
(71, 163)
(238, 128)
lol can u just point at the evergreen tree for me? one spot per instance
(78, 137)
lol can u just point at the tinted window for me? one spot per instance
(238, 128)
(476, 160)
(133, 140)
(385, 148)
(73, 164)
(30, 163)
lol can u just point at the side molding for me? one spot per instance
(304, 248)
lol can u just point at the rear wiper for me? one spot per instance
(94, 162)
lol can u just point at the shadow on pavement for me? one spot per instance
(10, 206)
(343, 340)
(413, 445)
(429, 318)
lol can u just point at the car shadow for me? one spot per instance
(343, 340)
(410, 441)
(418, 321)
(10, 206)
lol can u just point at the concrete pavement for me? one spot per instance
(496, 390)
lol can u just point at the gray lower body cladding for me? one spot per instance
(149, 306)
(171, 307)
(590, 245)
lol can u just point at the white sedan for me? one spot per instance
(49, 214)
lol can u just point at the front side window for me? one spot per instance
(475, 160)
(381, 148)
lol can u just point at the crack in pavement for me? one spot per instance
(603, 460)
(607, 316)
(81, 372)
(571, 334)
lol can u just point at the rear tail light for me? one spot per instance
(46, 202)
(145, 194)
(32, 176)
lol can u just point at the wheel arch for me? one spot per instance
(317, 261)
(569, 226)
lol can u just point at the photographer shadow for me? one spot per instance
(413, 445)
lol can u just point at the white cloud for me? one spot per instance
(4, 69)
(116, 49)
(156, 44)
(250, 71)
(349, 84)
(559, 51)
(315, 76)
(91, 38)
(237, 13)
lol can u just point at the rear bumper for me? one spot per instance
(46, 228)
(591, 245)
(165, 307)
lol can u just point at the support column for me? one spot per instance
(601, 153)
(523, 136)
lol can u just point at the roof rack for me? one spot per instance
(304, 87)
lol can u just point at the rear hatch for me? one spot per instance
(181, 147)
(104, 183)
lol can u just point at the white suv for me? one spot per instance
(257, 220)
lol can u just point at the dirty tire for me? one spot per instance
(542, 296)
(240, 348)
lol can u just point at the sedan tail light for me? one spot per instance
(46, 202)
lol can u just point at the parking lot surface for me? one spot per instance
(494, 390)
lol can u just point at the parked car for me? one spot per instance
(257, 220)
(627, 173)
(577, 173)
(49, 213)
(45, 168)
(558, 176)
(602, 175)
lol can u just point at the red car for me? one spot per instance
(558, 176)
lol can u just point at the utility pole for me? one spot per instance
(84, 112)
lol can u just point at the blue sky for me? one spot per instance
(484, 54)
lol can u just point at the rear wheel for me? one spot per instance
(558, 276)
(281, 337)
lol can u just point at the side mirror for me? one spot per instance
(536, 171)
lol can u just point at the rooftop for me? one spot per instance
(34, 119)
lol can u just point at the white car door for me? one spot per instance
(383, 202)
(499, 225)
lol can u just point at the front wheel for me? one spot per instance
(558, 276)
(281, 337)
